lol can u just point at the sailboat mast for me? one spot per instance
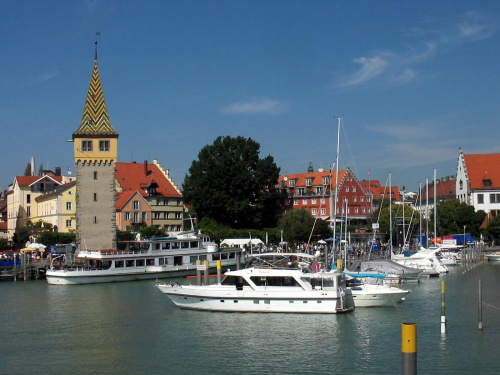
(390, 209)
(334, 213)
(435, 208)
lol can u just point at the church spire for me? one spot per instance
(95, 119)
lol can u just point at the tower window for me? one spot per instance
(95, 219)
(95, 175)
(86, 146)
(103, 145)
(95, 197)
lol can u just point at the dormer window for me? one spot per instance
(326, 180)
(308, 181)
(487, 183)
(291, 183)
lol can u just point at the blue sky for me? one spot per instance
(412, 80)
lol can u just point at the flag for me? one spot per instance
(369, 172)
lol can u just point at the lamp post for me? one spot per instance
(464, 235)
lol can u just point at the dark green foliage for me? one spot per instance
(452, 215)
(152, 231)
(298, 224)
(493, 228)
(3, 243)
(27, 170)
(54, 238)
(232, 185)
(21, 237)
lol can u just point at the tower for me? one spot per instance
(95, 152)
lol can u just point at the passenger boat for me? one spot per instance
(288, 289)
(146, 259)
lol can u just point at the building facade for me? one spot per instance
(478, 181)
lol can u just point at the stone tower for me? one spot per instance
(95, 153)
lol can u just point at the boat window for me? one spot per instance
(234, 280)
(157, 246)
(193, 244)
(174, 245)
(177, 261)
(232, 255)
(224, 256)
(119, 263)
(129, 263)
(161, 261)
(256, 301)
(139, 263)
(165, 245)
(215, 256)
(144, 246)
(267, 301)
(193, 258)
(150, 262)
(185, 245)
(274, 281)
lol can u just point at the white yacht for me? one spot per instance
(284, 290)
(425, 260)
(145, 259)
(369, 292)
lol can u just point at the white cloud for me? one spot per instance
(371, 67)
(46, 77)
(475, 26)
(257, 106)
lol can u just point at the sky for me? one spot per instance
(411, 81)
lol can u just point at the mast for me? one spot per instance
(334, 213)
(427, 211)
(435, 208)
(420, 206)
(390, 209)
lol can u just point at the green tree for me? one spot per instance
(152, 231)
(452, 215)
(298, 224)
(27, 170)
(54, 238)
(3, 243)
(382, 216)
(493, 228)
(232, 185)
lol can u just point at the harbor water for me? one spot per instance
(132, 328)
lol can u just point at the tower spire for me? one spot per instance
(95, 119)
(96, 35)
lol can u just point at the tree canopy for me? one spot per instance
(232, 185)
(452, 215)
(298, 224)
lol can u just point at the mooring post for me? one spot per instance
(219, 272)
(480, 307)
(198, 272)
(409, 348)
(238, 261)
(443, 315)
(207, 272)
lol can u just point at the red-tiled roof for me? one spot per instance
(137, 176)
(481, 166)
(444, 189)
(28, 180)
(380, 191)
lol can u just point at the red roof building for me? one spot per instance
(311, 190)
(157, 189)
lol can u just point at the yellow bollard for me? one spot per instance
(219, 272)
(409, 348)
(339, 264)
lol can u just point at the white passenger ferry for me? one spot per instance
(147, 259)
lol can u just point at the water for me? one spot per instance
(132, 328)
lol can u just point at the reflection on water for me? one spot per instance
(132, 328)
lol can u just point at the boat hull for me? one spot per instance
(84, 276)
(211, 298)
(495, 257)
(374, 299)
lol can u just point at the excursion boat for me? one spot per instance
(161, 257)
(289, 288)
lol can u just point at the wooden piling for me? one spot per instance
(480, 306)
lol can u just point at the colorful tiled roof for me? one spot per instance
(29, 180)
(317, 178)
(481, 167)
(137, 176)
(444, 189)
(380, 191)
(95, 119)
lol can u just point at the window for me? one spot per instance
(300, 191)
(95, 197)
(494, 198)
(95, 175)
(127, 216)
(157, 215)
(86, 146)
(313, 200)
(347, 189)
(314, 211)
(326, 180)
(69, 205)
(354, 189)
(145, 216)
(28, 198)
(291, 183)
(323, 211)
(354, 198)
(461, 184)
(487, 182)
(103, 145)
(480, 198)
(304, 201)
(136, 205)
(177, 215)
(319, 190)
(361, 199)
(322, 200)
(355, 210)
(69, 223)
(295, 202)
(95, 219)
(308, 181)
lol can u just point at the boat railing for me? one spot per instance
(111, 252)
